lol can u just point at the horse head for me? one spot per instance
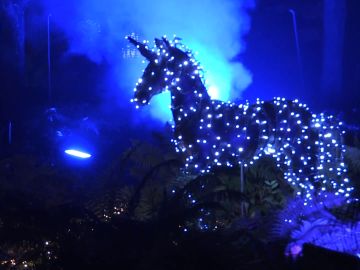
(167, 64)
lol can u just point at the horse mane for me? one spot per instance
(179, 45)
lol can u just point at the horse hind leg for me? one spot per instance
(298, 170)
(331, 167)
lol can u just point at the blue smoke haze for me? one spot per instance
(214, 28)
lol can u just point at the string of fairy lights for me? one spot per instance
(210, 133)
(18, 261)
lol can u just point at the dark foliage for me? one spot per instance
(50, 219)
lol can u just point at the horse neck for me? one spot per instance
(189, 94)
(187, 106)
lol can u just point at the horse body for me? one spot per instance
(210, 133)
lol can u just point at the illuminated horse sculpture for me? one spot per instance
(210, 133)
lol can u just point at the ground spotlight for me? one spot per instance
(77, 153)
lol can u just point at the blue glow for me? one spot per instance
(159, 107)
(77, 153)
(213, 27)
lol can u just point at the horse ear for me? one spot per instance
(166, 42)
(148, 54)
(159, 43)
(162, 42)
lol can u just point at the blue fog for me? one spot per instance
(215, 29)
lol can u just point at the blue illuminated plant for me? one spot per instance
(330, 225)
